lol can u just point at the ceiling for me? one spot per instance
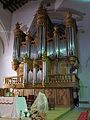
(79, 8)
(13, 5)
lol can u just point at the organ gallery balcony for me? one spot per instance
(68, 80)
(54, 81)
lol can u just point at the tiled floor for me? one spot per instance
(51, 114)
(72, 115)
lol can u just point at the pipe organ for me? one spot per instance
(46, 57)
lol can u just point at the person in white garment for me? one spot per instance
(41, 103)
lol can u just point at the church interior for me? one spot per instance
(44, 60)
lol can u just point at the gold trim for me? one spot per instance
(44, 56)
(17, 31)
(35, 65)
(56, 31)
(28, 37)
(68, 19)
(41, 16)
(15, 64)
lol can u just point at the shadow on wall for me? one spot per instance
(1, 46)
(3, 36)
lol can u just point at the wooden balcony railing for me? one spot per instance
(69, 80)
(63, 78)
(13, 81)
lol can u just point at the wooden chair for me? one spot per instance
(30, 100)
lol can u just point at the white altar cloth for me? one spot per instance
(10, 107)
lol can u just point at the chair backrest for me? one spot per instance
(83, 116)
(31, 97)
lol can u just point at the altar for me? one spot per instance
(12, 107)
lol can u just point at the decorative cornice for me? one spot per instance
(59, 14)
(75, 13)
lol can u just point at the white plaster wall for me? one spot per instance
(84, 49)
(58, 3)
(5, 17)
(5, 24)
